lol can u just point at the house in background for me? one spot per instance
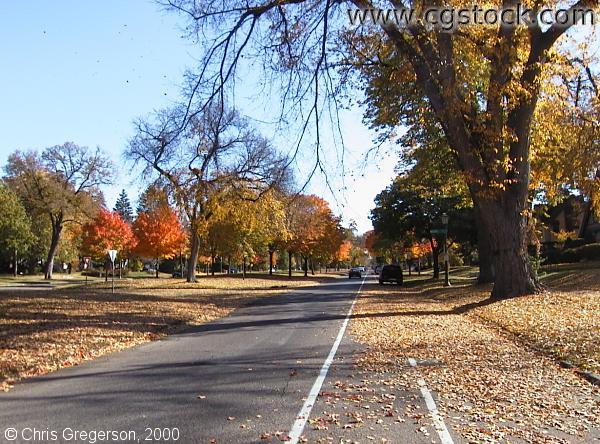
(589, 229)
(573, 215)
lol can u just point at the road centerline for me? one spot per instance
(304, 414)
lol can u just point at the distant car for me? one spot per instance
(362, 268)
(377, 269)
(355, 272)
(391, 273)
(177, 274)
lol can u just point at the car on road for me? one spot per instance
(177, 274)
(355, 272)
(391, 273)
(362, 268)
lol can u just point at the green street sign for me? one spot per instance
(438, 231)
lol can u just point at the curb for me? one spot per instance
(589, 376)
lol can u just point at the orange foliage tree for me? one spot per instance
(314, 231)
(420, 249)
(159, 234)
(107, 231)
(343, 252)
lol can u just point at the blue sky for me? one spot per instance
(82, 71)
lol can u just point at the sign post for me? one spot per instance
(86, 265)
(112, 254)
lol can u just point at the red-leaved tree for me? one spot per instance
(107, 231)
(159, 234)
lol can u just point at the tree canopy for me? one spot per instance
(479, 84)
(61, 185)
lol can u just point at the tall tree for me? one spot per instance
(61, 185)
(482, 84)
(214, 149)
(123, 207)
(15, 231)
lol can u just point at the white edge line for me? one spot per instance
(304, 413)
(438, 421)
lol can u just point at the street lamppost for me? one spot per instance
(446, 261)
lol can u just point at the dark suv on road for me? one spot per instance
(355, 272)
(391, 273)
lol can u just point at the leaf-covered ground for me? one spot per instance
(42, 330)
(493, 366)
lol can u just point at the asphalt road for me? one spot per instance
(231, 380)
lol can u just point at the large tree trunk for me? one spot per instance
(16, 271)
(271, 253)
(212, 264)
(486, 264)
(56, 230)
(435, 254)
(507, 225)
(305, 267)
(193, 260)
(436, 263)
(289, 264)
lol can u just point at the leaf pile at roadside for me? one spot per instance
(563, 323)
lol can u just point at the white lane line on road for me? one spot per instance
(438, 421)
(304, 414)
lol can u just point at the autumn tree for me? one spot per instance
(107, 231)
(313, 229)
(159, 234)
(197, 154)
(429, 167)
(481, 83)
(15, 231)
(565, 134)
(244, 224)
(330, 243)
(343, 253)
(62, 185)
